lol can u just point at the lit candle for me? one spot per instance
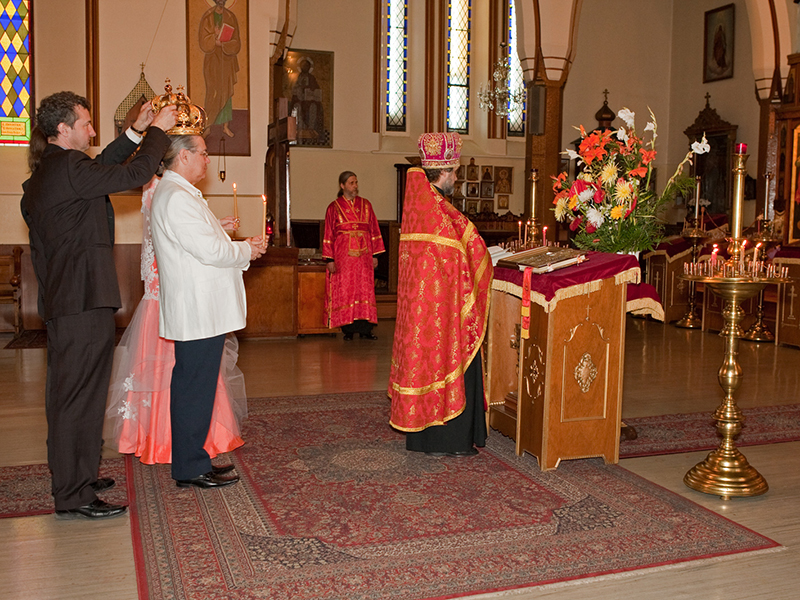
(544, 235)
(519, 231)
(534, 180)
(741, 148)
(264, 220)
(527, 226)
(235, 204)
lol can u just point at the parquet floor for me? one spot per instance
(667, 370)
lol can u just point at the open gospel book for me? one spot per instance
(542, 259)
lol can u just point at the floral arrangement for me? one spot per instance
(610, 204)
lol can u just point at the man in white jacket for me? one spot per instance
(202, 298)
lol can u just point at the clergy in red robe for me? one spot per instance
(445, 276)
(351, 241)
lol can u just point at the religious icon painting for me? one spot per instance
(503, 180)
(487, 173)
(487, 189)
(308, 85)
(473, 189)
(460, 203)
(460, 172)
(472, 207)
(472, 170)
(458, 189)
(502, 201)
(487, 206)
(218, 71)
(718, 43)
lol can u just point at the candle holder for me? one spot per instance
(692, 318)
(725, 471)
(759, 332)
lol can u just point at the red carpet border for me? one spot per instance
(331, 506)
(25, 490)
(689, 432)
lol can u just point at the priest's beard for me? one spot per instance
(448, 187)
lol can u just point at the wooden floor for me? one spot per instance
(667, 370)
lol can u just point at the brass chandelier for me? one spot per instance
(501, 98)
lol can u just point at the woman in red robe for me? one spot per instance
(352, 239)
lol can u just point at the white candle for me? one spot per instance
(235, 204)
(264, 221)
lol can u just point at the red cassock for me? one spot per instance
(352, 237)
(444, 283)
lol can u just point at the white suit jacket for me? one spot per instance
(200, 269)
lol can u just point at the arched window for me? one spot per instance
(459, 19)
(396, 64)
(516, 116)
(16, 102)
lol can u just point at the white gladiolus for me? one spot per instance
(702, 146)
(627, 116)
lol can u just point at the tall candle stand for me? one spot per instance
(692, 319)
(759, 332)
(533, 232)
(726, 472)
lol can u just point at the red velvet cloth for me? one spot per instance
(444, 283)
(352, 237)
(599, 265)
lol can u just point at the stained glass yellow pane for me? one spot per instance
(15, 67)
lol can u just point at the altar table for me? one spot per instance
(558, 392)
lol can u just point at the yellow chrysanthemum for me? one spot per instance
(573, 202)
(609, 173)
(618, 212)
(623, 191)
(561, 208)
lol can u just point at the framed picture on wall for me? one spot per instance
(718, 44)
(487, 206)
(473, 189)
(502, 201)
(487, 189)
(218, 72)
(472, 207)
(503, 180)
(308, 85)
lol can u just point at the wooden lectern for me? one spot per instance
(558, 393)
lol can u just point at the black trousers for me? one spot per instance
(192, 391)
(80, 352)
(466, 430)
(359, 326)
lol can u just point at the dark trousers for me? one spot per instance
(80, 352)
(192, 391)
(466, 430)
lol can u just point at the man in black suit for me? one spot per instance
(71, 222)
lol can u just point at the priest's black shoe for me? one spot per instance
(368, 336)
(471, 452)
(103, 483)
(347, 337)
(209, 480)
(221, 469)
(96, 510)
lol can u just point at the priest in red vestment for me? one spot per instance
(445, 276)
(351, 241)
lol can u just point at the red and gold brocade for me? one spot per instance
(445, 278)
(352, 237)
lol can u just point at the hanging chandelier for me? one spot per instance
(501, 97)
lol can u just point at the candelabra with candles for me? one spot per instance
(726, 472)
(692, 319)
(532, 234)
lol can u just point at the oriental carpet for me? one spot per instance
(689, 432)
(331, 506)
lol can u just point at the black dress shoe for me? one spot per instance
(471, 452)
(209, 480)
(222, 469)
(436, 454)
(103, 483)
(96, 510)
(348, 337)
(368, 336)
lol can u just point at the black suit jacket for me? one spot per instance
(71, 220)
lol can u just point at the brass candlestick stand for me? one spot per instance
(725, 472)
(692, 319)
(759, 332)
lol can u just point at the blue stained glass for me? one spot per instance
(4, 20)
(18, 85)
(19, 106)
(11, 53)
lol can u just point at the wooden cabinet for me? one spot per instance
(311, 299)
(271, 287)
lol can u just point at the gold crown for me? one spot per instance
(191, 117)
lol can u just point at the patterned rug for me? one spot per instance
(25, 491)
(688, 432)
(331, 506)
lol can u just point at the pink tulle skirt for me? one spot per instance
(137, 414)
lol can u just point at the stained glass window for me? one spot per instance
(396, 62)
(15, 70)
(516, 115)
(458, 47)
